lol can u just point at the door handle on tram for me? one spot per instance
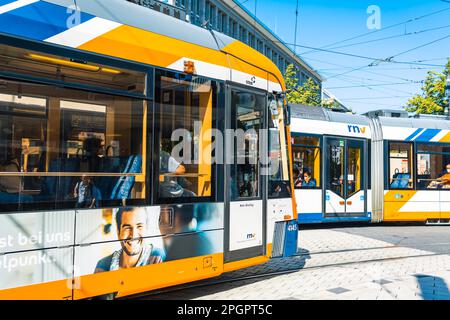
(342, 203)
(349, 203)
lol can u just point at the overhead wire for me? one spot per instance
(385, 28)
(390, 37)
(375, 61)
(420, 46)
(376, 85)
(371, 98)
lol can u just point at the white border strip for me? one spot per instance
(84, 32)
(417, 135)
(203, 69)
(16, 5)
(439, 136)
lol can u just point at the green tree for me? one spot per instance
(328, 103)
(308, 93)
(432, 100)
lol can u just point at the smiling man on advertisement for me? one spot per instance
(131, 226)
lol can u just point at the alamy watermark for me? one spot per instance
(74, 16)
(208, 147)
(374, 19)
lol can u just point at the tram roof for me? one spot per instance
(137, 16)
(442, 124)
(323, 114)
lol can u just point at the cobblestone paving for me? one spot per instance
(338, 265)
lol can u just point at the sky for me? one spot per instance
(364, 83)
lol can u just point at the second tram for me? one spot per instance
(383, 166)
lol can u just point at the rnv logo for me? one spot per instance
(356, 129)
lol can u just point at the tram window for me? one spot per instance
(433, 166)
(355, 158)
(312, 141)
(279, 184)
(63, 148)
(185, 117)
(307, 155)
(245, 174)
(70, 70)
(400, 165)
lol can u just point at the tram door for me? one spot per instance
(246, 186)
(345, 169)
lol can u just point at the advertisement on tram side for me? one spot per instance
(136, 237)
(51, 246)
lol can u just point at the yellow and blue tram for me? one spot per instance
(95, 98)
(382, 166)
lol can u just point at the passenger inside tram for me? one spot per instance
(443, 182)
(308, 180)
(53, 135)
(298, 177)
(8, 184)
(444, 179)
(185, 115)
(92, 152)
(86, 193)
(174, 185)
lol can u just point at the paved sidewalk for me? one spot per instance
(338, 265)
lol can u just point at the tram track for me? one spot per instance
(215, 282)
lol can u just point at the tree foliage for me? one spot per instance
(432, 100)
(308, 93)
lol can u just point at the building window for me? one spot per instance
(212, 16)
(281, 64)
(195, 12)
(242, 34)
(268, 52)
(260, 46)
(222, 22)
(275, 57)
(302, 77)
(208, 11)
(251, 40)
(233, 29)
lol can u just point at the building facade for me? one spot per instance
(231, 18)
